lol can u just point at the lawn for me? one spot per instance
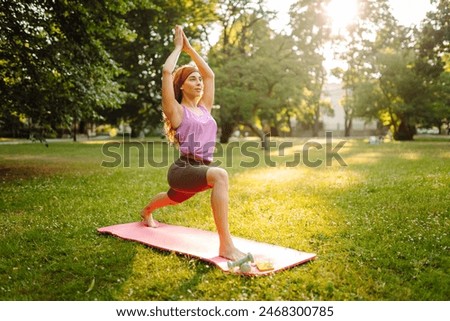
(379, 225)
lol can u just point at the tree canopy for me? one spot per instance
(54, 64)
(66, 62)
(394, 72)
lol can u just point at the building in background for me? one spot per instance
(336, 122)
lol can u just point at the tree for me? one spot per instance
(398, 96)
(257, 73)
(355, 50)
(311, 32)
(433, 62)
(381, 81)
(142, 53)
(243, 24)
(54, 66)
(273, 77)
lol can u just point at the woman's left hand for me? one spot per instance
(178, 38)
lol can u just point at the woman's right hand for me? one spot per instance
(178, 39)
(186, 45)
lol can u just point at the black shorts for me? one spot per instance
(186, 178)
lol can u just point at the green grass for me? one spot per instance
(380, 226)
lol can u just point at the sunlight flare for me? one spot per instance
(342, 13)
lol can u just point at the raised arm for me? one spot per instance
(207, 99)
(171, 108)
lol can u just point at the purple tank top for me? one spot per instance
(197, 134)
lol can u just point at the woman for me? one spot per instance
(187, 100)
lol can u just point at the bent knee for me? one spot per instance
(217, 175)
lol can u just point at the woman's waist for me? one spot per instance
(198, 151)
(193, 159)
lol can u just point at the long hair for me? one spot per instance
(179, 77)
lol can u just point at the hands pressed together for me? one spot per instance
(181, 41)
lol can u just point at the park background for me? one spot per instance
(94, 68)
(90, 71)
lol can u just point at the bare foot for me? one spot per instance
(231, 253)
(148, 220)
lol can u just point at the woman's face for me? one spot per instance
(193, 85)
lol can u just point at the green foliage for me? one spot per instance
(379, 226)
(255, 86)
(62, 62)
(399, 94)
(311, 31)
(433, 62)
(54, 64)
(242, 65)
(77, 60)
(387, 78)
(143, 53)
(271, 74)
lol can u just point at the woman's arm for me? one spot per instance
(206, 72)
(171, 108)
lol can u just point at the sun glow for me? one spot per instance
(342, 14)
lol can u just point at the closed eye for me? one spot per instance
(194, 78)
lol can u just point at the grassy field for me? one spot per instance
(379, 225)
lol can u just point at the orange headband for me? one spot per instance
(180, 76)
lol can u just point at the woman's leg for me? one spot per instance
(217, 178)
(158, 201)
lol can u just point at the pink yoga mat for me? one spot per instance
(205, 244)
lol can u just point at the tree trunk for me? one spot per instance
(260, 134)
(227, 130)
(289, 125)
(405, 131)
(75, 128)
(348, 125)
(274, 131)
(440, 123)
(316, 125)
